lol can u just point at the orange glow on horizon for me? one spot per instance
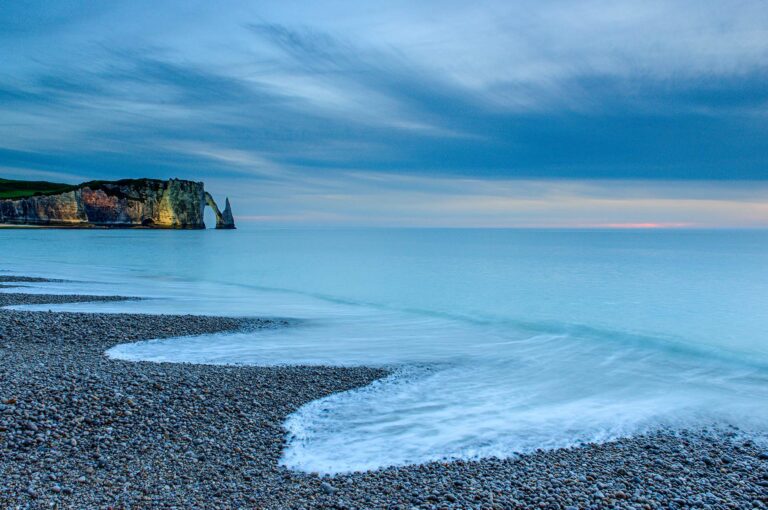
(641, 225)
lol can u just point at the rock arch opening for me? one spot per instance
(224, 219)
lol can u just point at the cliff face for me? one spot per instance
(62, 209)
(129, 203)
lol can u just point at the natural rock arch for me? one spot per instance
(223, 219)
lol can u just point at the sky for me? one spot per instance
(498, 113)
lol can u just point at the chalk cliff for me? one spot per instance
(153, 203)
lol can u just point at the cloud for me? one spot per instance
(345, 198)
(248, 92)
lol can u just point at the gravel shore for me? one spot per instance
(28, 279)
(78, 430)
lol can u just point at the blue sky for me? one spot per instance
(485, 113)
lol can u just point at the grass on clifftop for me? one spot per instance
(20, 189)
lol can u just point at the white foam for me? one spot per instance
(450, 397)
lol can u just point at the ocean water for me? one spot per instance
(499, 341)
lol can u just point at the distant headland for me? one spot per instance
(127, 203)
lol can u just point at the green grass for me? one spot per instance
(20, 189)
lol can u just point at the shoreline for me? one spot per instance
(80, 430)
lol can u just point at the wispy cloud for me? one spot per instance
(360, 198)
(500, 93)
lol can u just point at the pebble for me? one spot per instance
(328, 488)
(161, 435)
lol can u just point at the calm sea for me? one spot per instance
(501, 341)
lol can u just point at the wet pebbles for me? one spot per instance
(78, 430)
(28, 279)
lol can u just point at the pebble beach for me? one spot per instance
(80, 430)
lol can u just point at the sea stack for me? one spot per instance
(227, 220)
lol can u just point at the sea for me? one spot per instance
(499, 342)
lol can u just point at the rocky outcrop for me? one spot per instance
(224, 220)
(152, 203)
(227, 220)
